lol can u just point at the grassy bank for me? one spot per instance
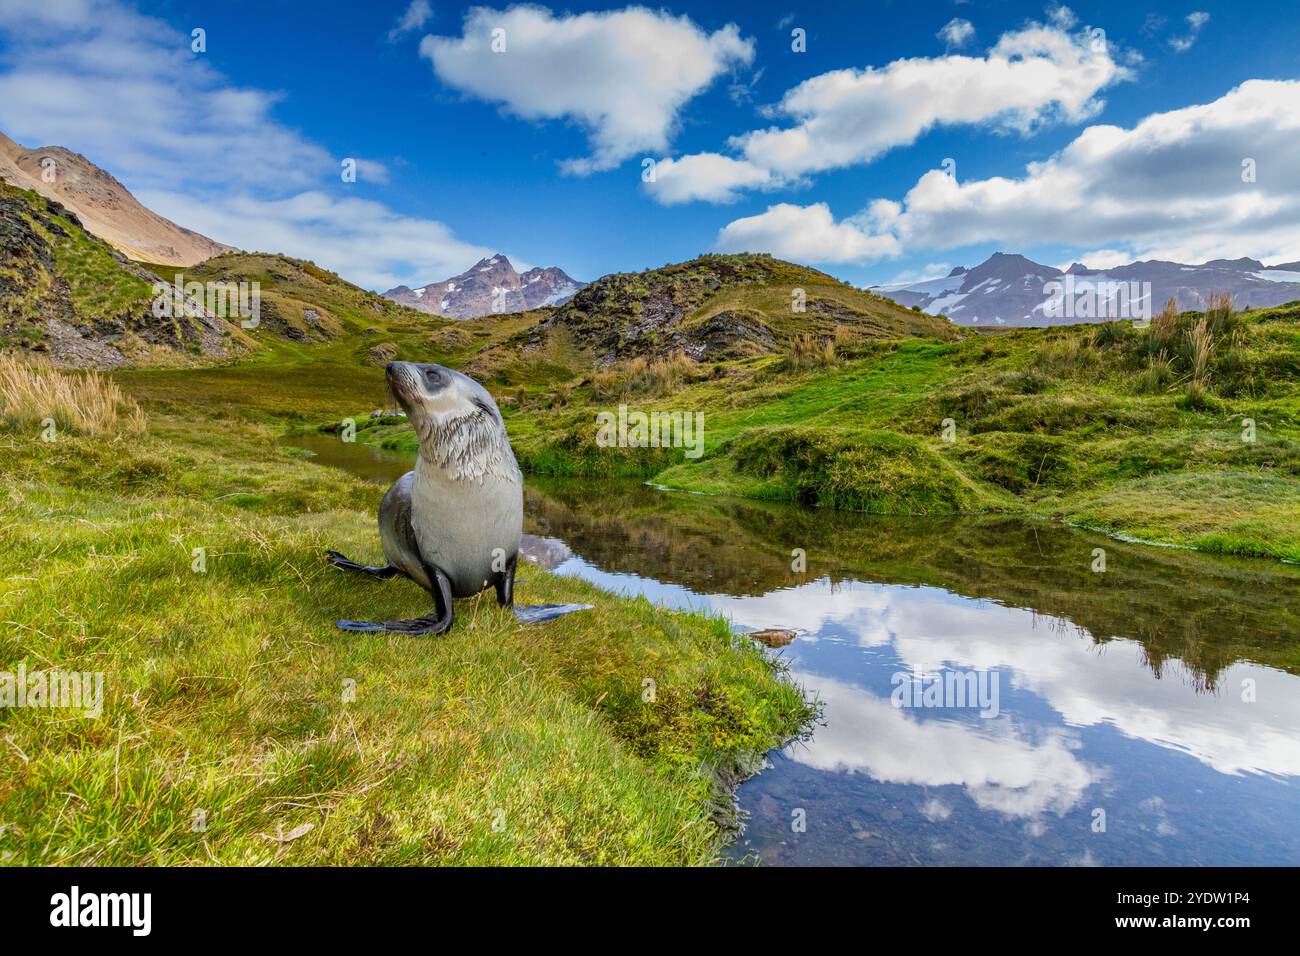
(229, 731)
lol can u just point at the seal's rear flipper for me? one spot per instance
(540, 613)
(374, 570)
(416, 627)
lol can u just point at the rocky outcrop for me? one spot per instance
(69, 297)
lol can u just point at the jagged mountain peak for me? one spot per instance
(491, 285)
(1238, 264)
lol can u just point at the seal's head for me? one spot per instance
(458, 422)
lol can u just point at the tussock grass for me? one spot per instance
(85, 403)
(657, 377)
(809, 351)
(873, 472)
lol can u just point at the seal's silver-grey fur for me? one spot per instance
(453, 524)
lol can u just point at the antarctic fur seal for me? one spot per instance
(453, 524)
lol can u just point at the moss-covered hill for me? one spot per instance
(69, 297)
(300, 301)
(712, 308)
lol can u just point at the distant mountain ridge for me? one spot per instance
(489, 286)
(1011, 290)
(104, 207)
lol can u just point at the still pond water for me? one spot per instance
(1148, 714)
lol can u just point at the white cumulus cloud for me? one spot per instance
(624, 75)
(804, 234)
(845, 117)
(1200, 182)
(710, 177)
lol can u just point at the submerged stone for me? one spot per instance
(773, 636)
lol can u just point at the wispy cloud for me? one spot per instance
(365, 241)
(127, 90)
(1062, 17)
(1195, 21)
(956, 33)
(415, 16)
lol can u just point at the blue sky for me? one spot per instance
(829, 156)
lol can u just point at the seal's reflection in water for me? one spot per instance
(1146, 715)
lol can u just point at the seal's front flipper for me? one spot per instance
(540, 613)
(375, 571)
(439, 622)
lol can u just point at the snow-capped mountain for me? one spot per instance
(489, 286)
(1012, 290)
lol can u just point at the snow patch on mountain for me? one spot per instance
(1012, 290)
(490, 286)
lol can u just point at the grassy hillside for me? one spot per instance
(68, 297)
(713, 308)
(1137, 432)
(300, 302)
(320, 348)
(225, 680)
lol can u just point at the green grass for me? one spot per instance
(1250, 513)
(105, 288)
(224, 690)
(53, 268)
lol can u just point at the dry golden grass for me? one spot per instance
(1200, 341)
(32, 395)
(1164, 326)
(641, 376)
(810, 351)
